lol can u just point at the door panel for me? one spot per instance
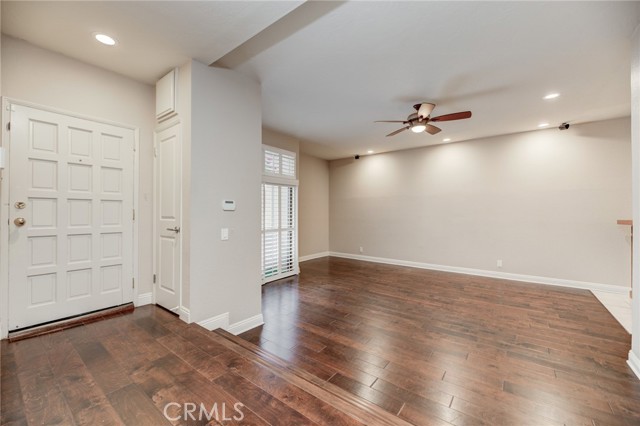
(74, 253)
(168, 217)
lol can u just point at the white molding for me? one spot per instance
(246, 324)
(491, 274)
(144, 299)
(136, 208)
(314, 256)
(634, 363)
(219, 321)
(185, 314)
(4, 229)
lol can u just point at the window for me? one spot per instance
(279, 215)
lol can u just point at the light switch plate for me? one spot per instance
(224, 234)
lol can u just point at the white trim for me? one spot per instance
(634, 363)
(246, 324)
(4, 230)
(185, 314)
(144, 299)
(281, 276)
(219, 321)
(491, 274)
(136, 208)
(314, 256)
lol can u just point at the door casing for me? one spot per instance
(4, 200)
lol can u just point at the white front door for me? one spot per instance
(71, 184)
(168, 217)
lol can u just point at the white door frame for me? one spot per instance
(4, 200)
(183, 312)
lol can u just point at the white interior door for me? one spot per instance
(71, 181)
(168, 217)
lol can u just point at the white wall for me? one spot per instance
(313, 206)
(226, 154)
(39, 76)
(544, 202)
(634, 353)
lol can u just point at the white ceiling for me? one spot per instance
(153, 36)
(329, 69)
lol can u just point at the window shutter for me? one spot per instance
(279, 210)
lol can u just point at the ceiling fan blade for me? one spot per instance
(454, 116)
(389, 121)
(398, 131)
(432, 130)
(425, 109)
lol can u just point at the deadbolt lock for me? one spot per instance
(20, 205)
(19, 221)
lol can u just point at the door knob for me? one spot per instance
(175, 229)
(19, 221)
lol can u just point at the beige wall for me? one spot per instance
(39, 76)
(226, 152)
(544, 202)
(634, 353)
(183, 108)
(313, 206)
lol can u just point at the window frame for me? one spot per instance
(281, 181)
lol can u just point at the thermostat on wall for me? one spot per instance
(228, 205)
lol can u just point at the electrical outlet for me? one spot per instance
(499, 263)
(361, 249)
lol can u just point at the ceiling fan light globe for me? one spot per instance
(418, 128)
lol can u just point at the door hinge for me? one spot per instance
(9, 126)
(134, 214)
(154, 278)
(133, 283)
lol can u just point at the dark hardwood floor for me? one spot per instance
(437, 348)
(150, 368)
(354, 343)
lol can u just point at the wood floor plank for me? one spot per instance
(260, 402)
(103, 367)
(134, 408)
(541, 353)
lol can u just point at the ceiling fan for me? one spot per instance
(419, 121)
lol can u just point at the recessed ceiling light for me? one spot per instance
(370, 152)
(543, 125)
(446, 140)
(551, 96)
(105, 39)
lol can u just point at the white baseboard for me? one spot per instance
(634, 363)
(144, 299)
(219, 321)
(245, 325)
(491, 274)
(184, 314)
(313, 256)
